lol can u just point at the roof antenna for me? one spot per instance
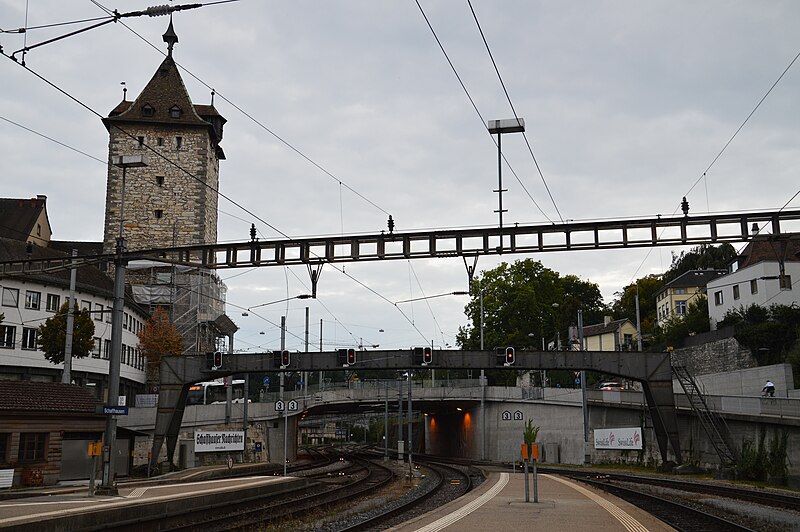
(124, 91)
(212, 97)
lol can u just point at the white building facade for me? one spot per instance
(758, 284)
(27, 303)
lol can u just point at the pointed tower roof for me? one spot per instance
(165, 100)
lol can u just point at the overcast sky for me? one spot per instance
(627, 103)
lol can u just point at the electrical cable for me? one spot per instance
(513, 110)
(475, 107)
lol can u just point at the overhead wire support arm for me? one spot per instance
(154, 11)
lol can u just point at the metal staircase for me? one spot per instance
(713, 424)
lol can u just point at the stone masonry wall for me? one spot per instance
(714, 357)
(188, 206)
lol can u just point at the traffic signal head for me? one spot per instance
(510, 356)
(217, 359)
(286, 359)
(427, 355)
(351, 357)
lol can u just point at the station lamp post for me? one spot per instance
(112, 400)
(499, 127)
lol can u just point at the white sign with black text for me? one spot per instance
(205, 442)
(618, 439)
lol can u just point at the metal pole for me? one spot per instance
(116, 347)
(584, 406)
(283, 393)
(483, 381)
(66, 376)
(305, 373)
(410, 427)
(321, 375)
(386, 422)
(527, 487)
(535, 483)
(400, 420)
(638, 322)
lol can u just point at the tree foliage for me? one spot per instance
(695, 321)
(771, 334)
(624, 306)
(702, 257)
(159, 337)
(518, 308)
(52, 336)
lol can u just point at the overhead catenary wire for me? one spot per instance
(477, 111)
(513, 110)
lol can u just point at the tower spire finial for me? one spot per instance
(170, 37)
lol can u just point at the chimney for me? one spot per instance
(606, 320)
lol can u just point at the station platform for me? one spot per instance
(50, 511)
(499, 504)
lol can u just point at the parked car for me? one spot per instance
(611, 386)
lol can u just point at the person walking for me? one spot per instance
(768, 390)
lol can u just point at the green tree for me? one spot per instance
(624, 306)
(702, 257)
(695, 321)
(771, 333)
(518, 308)
(53, 334)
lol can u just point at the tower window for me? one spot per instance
(141, 142)
(148, 110)
(175, 112)
(159, 213)
(160, 180)
(160, 141)
(178, 142)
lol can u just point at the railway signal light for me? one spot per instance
(346, 357)
(510, 356)
(504, 356)
(427, 356)
(286, 359)
(217, 360)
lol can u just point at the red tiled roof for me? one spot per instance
(46, 397)
(771, 249)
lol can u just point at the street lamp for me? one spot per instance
(124, 162)
(301, 296)
(510, 125)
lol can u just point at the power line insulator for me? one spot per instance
(685, 206)
(158, 11)
(390, 224)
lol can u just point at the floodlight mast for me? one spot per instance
(498, 127)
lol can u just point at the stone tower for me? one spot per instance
(173, 201)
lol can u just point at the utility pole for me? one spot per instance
(584, 406)
(66, 376)
(410, 427)
(305, 373)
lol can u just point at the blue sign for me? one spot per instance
(265, 380)
(258, 447)
(115, 410)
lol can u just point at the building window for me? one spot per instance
(53, 302)
(38, 229)
(680, 308)
(175, 112)
(29, 337)
(785, 282)
(148, 110)
(125, 320)
(753, 286)
(160, 141)
(106, 349)
(33, 300)
(98, 346)
(159, 213)
(178, 142)
(4, 439)
(718, 298)
(10, 297)
(680, 291)
(32, 446)
(98, 312)
(86, 305)
(735, 291)
(141, 142)
(8, 335)
(109, 314)
(160, 180)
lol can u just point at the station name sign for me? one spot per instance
(618, 439)
(205, 442)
